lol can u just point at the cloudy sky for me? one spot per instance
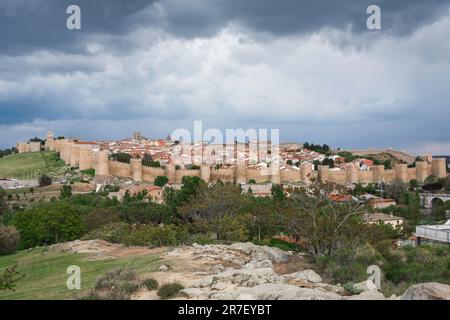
(309, 68)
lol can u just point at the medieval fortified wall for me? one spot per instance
(87, 156)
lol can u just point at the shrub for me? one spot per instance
(116, 284)
(9, 278)
(147, 235)
(66, 191)
(230, 229)
(349, 263)
(9, 240)
(170, 290)
(150, 284)
(45, 180)
(147, 213)
(113, 232)
(128, 288)
(161, 181)
(100, 217)
(350, 287)
(89, 172)
(283, 245)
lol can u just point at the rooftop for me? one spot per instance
(379, 216)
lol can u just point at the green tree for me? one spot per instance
(323, 224)
(161, 181)
(395, 190)
(146, 213)
(9, 240)
(277, 192)
(3, 205)
(216, 201)
(121, 157)
(413, 184)
(65, 192)
(45, 180)
(263, 222)
(329, 162)
(99, 217)
(190, 186)
(358, 190)
(48, 223)
(148, 161)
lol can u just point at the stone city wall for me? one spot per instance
(86, 157)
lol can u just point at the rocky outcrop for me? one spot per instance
(306, 275)
(249, 274)
(245, 271)
(273, 291)
(427, 291)
(261, 253)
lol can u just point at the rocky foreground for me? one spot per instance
(244, 271)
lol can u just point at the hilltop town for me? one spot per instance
(238, 162)
(313, 219)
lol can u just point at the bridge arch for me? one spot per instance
(429, 199)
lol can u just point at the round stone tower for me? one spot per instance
(75, 155)
(352, 174)
(305, 172)
(205, 173)
(136, 169)
(240, 173)
(438, 168)
(86, 159)
(170, 172)
(49, 141)
(378, 173)
(401, 172)
(102, 163)
(421, 171)
(275, 171)
(66, 147)
(324, 173)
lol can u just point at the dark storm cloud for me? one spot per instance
(28, 24)
(309, 68)
(41, 24)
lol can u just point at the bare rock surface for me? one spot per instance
(242, 271)
(427, 291)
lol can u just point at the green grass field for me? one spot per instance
(29, 165)
(45, 272)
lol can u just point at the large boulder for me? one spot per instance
(193, 292)
(261, 253)
(271, 291)
(259, 264)
(204, 282)
(427, 291)
(306, 275)
(368, 295)
(249, 277)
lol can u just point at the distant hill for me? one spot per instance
(386, 153)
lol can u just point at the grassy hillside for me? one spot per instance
(45, 272)
(29, 165)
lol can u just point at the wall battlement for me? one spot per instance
(85, 157)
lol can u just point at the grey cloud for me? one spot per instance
(40, 24)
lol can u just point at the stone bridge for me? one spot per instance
(426, 199)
